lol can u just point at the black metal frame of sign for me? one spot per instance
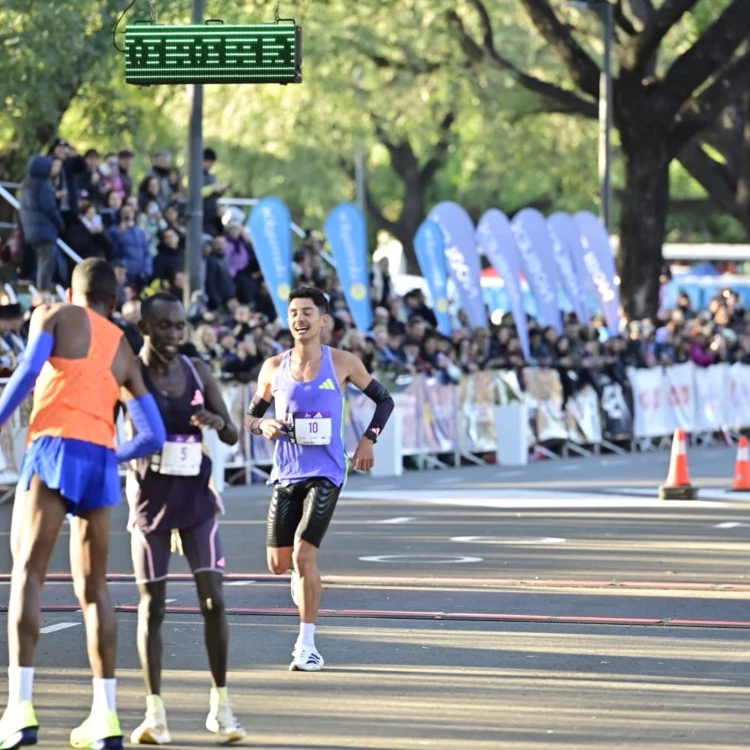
(213, 53)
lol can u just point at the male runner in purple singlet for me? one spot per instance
(310, 464)
(171, 497)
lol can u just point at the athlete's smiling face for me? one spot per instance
(306, 320)
(165, 328)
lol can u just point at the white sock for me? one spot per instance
(306, 634)
(20, 685)
(105, 695)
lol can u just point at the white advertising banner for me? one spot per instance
(713, 412)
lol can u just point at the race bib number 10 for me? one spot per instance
(312, 428)
(181, 456)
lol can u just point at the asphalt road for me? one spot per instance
(558, 605)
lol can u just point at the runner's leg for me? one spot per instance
(150, 554)
(284, 516)
(318, 507)
(38, 515)
(89, 550)
(203, 549)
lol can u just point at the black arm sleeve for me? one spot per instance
(383, 405)
(256, 410)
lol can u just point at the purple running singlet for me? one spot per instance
(314, 445)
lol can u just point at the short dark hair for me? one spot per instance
(209, 154)
(148, 305)
(95, 280)
(315, 295)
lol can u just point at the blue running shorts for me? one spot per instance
(85, 474)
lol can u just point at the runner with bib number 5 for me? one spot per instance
(172, 500)
(310, 464)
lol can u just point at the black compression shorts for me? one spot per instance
(301, 511)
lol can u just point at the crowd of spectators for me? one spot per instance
(97, 207)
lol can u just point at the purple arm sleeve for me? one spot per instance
(258, 407)
(383, 405)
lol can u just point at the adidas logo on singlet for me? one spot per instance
(327, 385)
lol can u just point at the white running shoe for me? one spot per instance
(222, 721)
(153, 730)
(306, 659)
(294, 585)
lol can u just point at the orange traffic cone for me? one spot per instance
(742, 468)
(677, 485)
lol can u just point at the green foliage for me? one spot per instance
(61, 73)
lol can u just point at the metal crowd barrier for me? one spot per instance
(446, 424)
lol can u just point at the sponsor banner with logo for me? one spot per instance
(538, 264)
(599, 264)
(566, 249)
(664, 398)
(347, 235)
(582, 417)
(545, 399)
(495, 236)
(617, 417)
(462, 258)
(270, 229)
(439, 405)
(738, 396)
(430, 250)
(711, 386)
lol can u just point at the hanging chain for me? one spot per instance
(277, 14)
(152, 10)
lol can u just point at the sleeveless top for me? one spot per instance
(314, 446)
(172, 489)
(76, 398)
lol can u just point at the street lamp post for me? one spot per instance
(193, 257)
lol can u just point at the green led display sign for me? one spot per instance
(214, 53)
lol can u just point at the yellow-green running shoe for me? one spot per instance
(99, 732)
(18, 727)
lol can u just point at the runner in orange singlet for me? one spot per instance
(79, 364)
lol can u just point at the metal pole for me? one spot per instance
(605, 117)
(359, 153)
(193, 257)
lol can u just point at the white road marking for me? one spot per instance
(241, 583)
(399, 519)
(730, 525)
(170, 601)
(59, 626)
(429, 559)
(445, 480)
(525, 499)
(498, 540)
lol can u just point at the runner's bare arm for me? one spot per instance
(38, 351)
(215, 415)
(356, 373)
(141, 405)
(263, 396)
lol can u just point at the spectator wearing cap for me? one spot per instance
(91, 179)
(41, 219)
(66, 181)
(211, 192)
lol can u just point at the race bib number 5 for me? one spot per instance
(181, 456)
(312, 428)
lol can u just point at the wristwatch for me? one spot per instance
(371, 435)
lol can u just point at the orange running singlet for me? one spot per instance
(76, 398)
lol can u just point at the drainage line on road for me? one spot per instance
(374, 614)
(428, 581)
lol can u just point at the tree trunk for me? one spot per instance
(645, 205)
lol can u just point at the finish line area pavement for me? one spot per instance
(557, 605)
